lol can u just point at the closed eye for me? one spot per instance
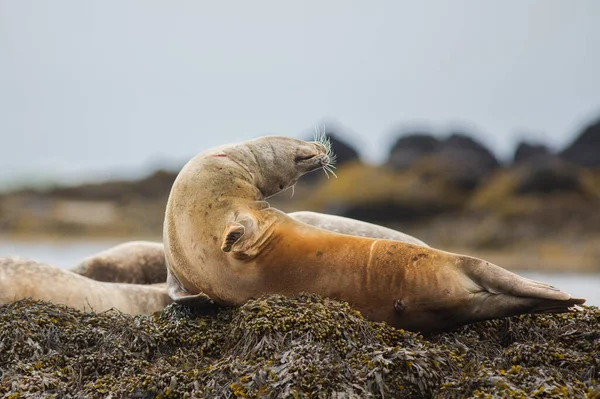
(300, 158)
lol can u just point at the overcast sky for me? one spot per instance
(117, 86)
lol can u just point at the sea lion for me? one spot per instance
(135, 262)
(23, 278)
(224, 242)
(143, 262)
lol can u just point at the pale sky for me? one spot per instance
(90, 88)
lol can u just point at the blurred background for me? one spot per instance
(474, 126)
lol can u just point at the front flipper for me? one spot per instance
(184, 297)
(243, 236)
(233, 233)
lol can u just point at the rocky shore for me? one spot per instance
(275, 347)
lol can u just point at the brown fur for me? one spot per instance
(143, 262)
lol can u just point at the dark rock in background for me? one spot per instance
(156, 185)
(410, 148)
(387, 212)
(459, 161)
(468, 162)
(526, 151)
(542, 197)
(585, 150)
(544, 174)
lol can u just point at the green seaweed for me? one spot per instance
(278, 347)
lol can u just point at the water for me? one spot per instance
(66, 254)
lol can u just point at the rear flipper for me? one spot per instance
(181, 295)
(503, 293)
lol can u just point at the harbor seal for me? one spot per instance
(225, 243)
(135, 262)
(353, 227)
(22, 278)
(143, 262)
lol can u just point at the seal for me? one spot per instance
(223, 242)
(143, 262)
(353, 227)
(135, 262)
(22, 278)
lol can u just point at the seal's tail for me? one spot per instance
(513, 294)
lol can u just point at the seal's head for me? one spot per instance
(286, 160)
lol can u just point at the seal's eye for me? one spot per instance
(300, 158)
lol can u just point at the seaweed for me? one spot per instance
(278, 347)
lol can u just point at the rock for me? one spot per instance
(156, 185)
(585, 150)
(410, 148)
(460, 164)
(538, 177)
(459, 161)
(276, 347)
(544, 196)
(380, 195)
(526, 151)
(466, 161)
(544, 174)
(430, 177)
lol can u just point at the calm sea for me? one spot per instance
(66, 254)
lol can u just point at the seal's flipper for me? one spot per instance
(233, 233)
(181, 295)
(242, 237)
(512, 294)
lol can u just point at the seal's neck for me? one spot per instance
(259, 164)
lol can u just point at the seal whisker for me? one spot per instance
(328, 168)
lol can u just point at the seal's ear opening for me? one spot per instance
(233, 232)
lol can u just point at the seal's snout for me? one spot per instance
(322, 148)
(312, 156)
(325, 157)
